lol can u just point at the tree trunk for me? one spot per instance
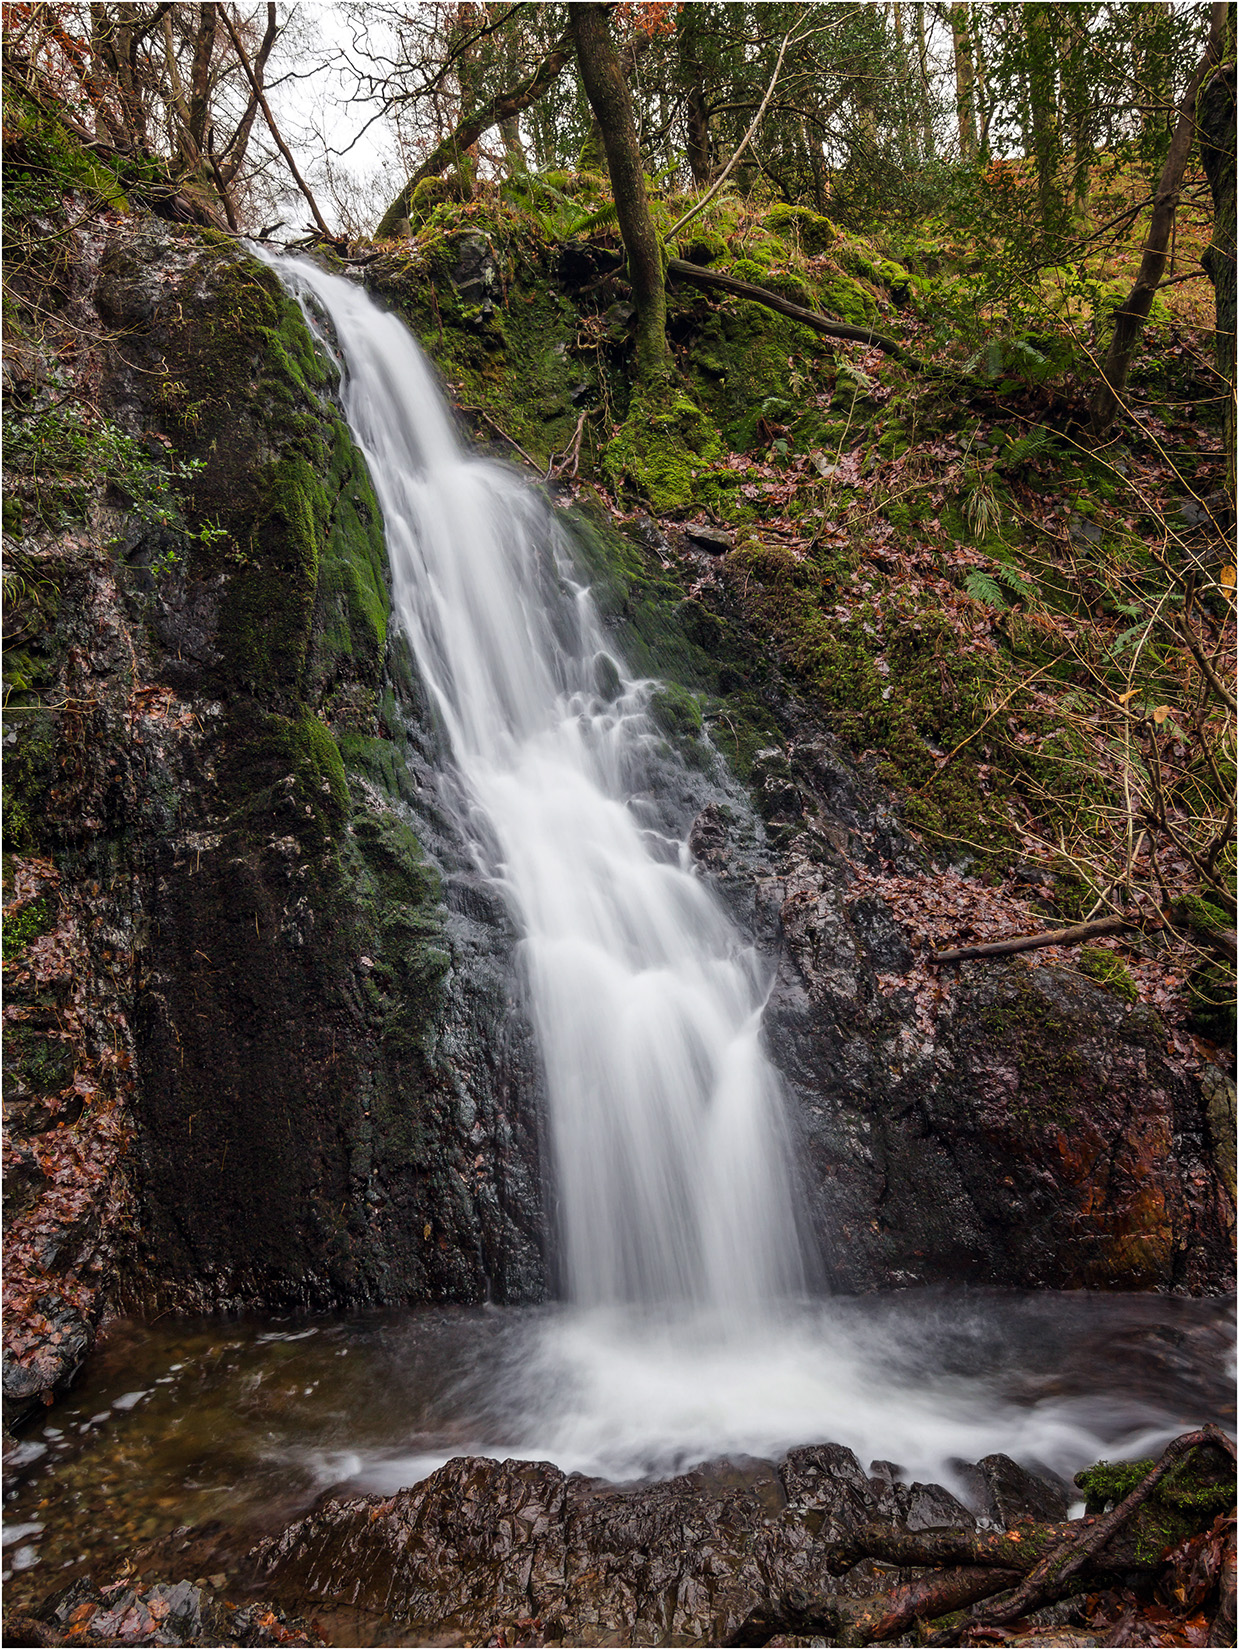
(1216, 116)
(1045, 140)
(513, 148)
(926, 93)
(1129, 321)
(476, 124)
(698, 140)
(692, 79)
(607, 91)
(965, 80)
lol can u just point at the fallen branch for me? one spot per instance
(877, 1616)
(1059, 1568)
(478, 412)
(1032, 942)
(1020, 1549)
(695, 275)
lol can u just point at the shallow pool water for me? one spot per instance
(248, 1421)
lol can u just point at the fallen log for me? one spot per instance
(714, 279)
(1021, 1548)
(1031, 942)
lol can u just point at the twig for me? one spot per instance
(571, 451)
(1032, 942)
(479, 412)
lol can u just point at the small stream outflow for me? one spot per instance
(672, 1178)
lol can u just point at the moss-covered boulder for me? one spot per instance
(664, 444)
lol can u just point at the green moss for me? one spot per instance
(265, 622)
(284, 773)
(43, 1062)
(1186, 1500)
(317, 760)
(841, 296)
(395, 860)
(1202, 914)
(30, 771)
(660, 449)
(807, 230)
(748, 269)
(703, 246)
(352, 599)
(678, 712)
(1096, 963)
(43, 162)
(1210, 991)
(26, 925)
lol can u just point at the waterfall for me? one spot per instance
(671, 1166)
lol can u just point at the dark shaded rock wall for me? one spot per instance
(330, 1076)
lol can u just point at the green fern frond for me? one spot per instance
(1014, 579)
(983, 587)
(600, 219)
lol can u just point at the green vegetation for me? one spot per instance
(27, 924)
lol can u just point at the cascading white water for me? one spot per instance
(670, 1153)
(687, 1335)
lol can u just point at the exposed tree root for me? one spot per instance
(1031, 1565)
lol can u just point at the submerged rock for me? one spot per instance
(166, 1614)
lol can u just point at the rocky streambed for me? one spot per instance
(219, 1478)
(811, 1550)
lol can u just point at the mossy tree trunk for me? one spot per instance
(607, 91)
(965, 80)
(1216, 117)
(1129, 320)
(504, 107)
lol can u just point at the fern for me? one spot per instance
(604, 216)
(1013, 577)
(983, 587)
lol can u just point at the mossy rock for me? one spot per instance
(1097, 963)
(748, 269)
(847, 300)
(809, 231)
(791, 287)
(661, 447)
(704, 246)
(677, 712)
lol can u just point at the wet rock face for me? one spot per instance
(265, 1042)
(517, 1547)
(1007, 1123)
